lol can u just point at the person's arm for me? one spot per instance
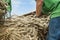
(39, 4)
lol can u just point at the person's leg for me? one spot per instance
(8, 14)
(54, 29)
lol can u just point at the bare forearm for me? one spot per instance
(39, 4)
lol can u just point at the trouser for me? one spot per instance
(54, 29)
(8, 15)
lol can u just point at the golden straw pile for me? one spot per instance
(25, 27)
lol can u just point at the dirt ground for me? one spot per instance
(26, 27)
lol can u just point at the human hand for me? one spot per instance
(39, 4)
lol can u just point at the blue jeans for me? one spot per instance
(8, 15)
(54, 29)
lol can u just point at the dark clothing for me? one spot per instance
(54, 29)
